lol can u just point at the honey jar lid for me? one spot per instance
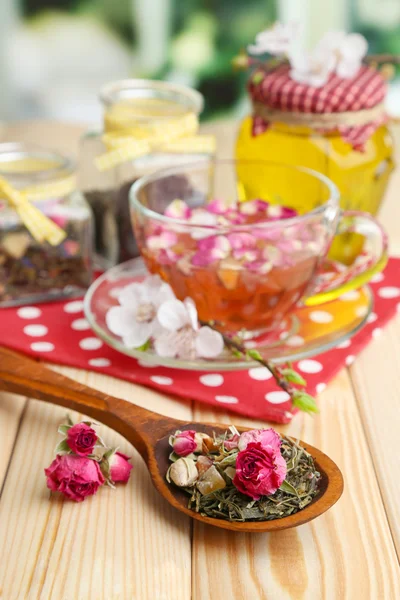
(353, 107)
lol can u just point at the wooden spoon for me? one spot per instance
(149, 433)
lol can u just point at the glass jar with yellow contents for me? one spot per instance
(338, 129)
(147, 125)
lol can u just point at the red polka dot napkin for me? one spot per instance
(59, 333)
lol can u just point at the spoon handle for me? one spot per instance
(26, 377)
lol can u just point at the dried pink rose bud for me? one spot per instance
(120, 468)
(184, 442)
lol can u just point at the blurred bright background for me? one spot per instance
(56, 54)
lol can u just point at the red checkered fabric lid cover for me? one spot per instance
(277, 91)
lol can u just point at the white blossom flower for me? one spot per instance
(275, 40)
(182, 336)
(336, 52)
(135, 320)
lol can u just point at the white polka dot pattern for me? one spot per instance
(260, 373)
(35, 330)
(310, 366)
(100, 362)
(74, 307)
(80, 325)
(321, 316)
(90, 343)
(212, 380)
(227, 399)
(277, 397)
(29, 312)
(162, 380)
(389, 292)
(42, 347)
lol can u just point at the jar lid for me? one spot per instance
(353, 107)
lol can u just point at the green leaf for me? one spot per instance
(293, 377)
(305, 402)
(254, 354)
(69, 421)
(63, 447)
(288, 488)
(63, 429)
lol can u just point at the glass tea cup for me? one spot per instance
(248, 261)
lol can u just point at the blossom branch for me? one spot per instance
(285, 376)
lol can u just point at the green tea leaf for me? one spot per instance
(288, 488)
(293, 376)
(236, 353)
(305, 402)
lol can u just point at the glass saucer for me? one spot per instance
(309, 330)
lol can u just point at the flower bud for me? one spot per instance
(200, 438)
(183, 472)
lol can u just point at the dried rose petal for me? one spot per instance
(259, 266)
(178, 209)
(245, 254)
(217, 207)
(241, 240)
(252, 207)
(166, 239)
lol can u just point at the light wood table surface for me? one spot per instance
(129, 544)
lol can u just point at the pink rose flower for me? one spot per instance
(185, 443)
(81, 439)
(74, 476)
(260, 470)
(267, 438)
(120, 468)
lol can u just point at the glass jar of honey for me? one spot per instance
(348, 142)
(147, 125)
(46, 227)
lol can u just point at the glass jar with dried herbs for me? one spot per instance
(46, 227)
(147, 125)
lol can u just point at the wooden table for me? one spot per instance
(129, 544)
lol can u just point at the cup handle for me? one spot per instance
(330, 284)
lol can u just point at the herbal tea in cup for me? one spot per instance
(246, 261)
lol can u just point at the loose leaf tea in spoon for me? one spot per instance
(255, 476)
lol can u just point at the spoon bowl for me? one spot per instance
(149, 432)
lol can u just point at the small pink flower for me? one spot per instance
(81, 439)
(178, 209)
(260, 470)
(74, 476)
(120, 468)
(184, 443)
